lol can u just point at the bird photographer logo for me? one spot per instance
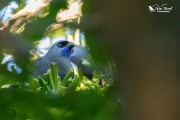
(164, 8)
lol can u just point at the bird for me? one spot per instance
(151, 9)
(76, 55)
(57, 54)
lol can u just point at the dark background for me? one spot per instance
(146, 49)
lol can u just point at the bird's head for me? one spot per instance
(67, 49)
(77, 53)
(61, 48)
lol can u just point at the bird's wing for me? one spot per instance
(41, 66)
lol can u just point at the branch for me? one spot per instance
(21, 17)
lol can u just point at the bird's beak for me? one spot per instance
(70, 46)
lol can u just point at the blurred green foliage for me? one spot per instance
(76, 98)
(49, 98)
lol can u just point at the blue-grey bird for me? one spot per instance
(76, 55)
(54, 54)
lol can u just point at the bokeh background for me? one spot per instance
(145, 46)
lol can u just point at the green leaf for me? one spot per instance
(53, 72)
(33, 84)
(85, 62)
(67, 77)
(72, 87)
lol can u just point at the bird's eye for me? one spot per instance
(62, 44)
(59, 45)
